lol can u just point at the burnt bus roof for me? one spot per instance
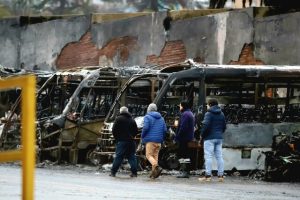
(131, 80)
(242, 72)
(155, 71)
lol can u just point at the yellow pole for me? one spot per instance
(14, 155)
(28, 133)
(28, 137)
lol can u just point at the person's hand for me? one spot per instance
(174, 140)
(164, 145)
(200, 140)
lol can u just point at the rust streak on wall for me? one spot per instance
(172, 53)
(82, 53)
(247, 57)
(122, 45)
(85, 53)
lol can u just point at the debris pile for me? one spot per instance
(283, 162)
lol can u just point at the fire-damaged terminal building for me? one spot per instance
(110, 61)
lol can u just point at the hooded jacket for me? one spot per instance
(124, 128)
(185, 130)
(214, 124)
(154, 129)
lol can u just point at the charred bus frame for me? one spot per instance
(71, 107)
(137, 93)
(258, 101)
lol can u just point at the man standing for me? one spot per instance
(153, 134)
(124, 130)
(184, 135)
(212, 131)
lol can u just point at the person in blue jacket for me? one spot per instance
(153, 134)
(184, 135)
(213, 127)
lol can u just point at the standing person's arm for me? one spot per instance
(146, 126)
(134, 128)
(181, 127)
(205, 124)
(224, 123)
(165, 129)
(115, 128)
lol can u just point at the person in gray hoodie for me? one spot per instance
(153, 134)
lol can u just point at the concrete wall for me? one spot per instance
(277, 40)
(148, 30)
(42, 43)
(239, 31)
(136, 40)
(9, 43)
(215, 38)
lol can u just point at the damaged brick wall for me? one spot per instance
(247, 57)
(85, 53)
(173, 52)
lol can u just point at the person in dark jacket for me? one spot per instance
(124, 130)
(184, 135)
(153, 134)
(213, 127)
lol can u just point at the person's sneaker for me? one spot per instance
(112, 175)
(221, 178)
(205, 179)
(132, 175)
(151, 174)
(184, 174)
(157, 171)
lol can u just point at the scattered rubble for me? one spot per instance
(283, 162)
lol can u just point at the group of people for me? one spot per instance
(153, 134)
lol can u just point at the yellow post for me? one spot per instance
(28, 137)
(27, 153)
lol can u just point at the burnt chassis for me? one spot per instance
(71, 107)
(10, 136)
(135, 97)
(237, 86)
(70, 135)
(258, 102)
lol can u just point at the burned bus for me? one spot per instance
(82, 100)
(137, 93)
(258, 102)
(71, 107)
(10, 106)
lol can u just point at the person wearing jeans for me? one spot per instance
(125, 149)
(213, 127)
(124, 130)
(213, 148)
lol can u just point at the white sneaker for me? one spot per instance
(221, 178)
(205, 179)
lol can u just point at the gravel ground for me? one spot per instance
(86, 182)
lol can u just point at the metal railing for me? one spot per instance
(27, 153)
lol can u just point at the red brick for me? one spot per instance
(247, 57)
